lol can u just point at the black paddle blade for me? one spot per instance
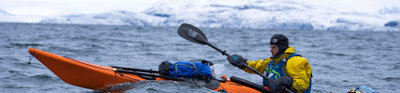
(192, 33)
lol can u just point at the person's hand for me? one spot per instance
(280, 84)
(237, 60)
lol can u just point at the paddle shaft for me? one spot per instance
(135, 69)
(226, 54)
(152, 75)
(219, 50)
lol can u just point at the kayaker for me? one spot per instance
(285, 69)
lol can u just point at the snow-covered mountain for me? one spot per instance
(109, 18)
(2, 12)
(8, 17)
(5, 16)
(262, 14)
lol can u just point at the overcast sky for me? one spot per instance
(61, 7)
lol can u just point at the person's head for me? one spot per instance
(278, 44)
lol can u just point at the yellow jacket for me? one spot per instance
(297, 68)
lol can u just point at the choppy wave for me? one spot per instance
(340, 60)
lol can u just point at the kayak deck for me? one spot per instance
(97, 77)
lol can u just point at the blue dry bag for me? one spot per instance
(185, 69)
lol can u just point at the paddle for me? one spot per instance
(194, 34)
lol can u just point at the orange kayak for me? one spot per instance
(97, 77)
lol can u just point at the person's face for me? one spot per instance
(274, 49)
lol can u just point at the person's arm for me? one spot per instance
(240, 62)
(259, 65)
(299, 69)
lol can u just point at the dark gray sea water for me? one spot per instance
(340, 60)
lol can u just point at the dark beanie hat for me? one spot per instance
(281, 41)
